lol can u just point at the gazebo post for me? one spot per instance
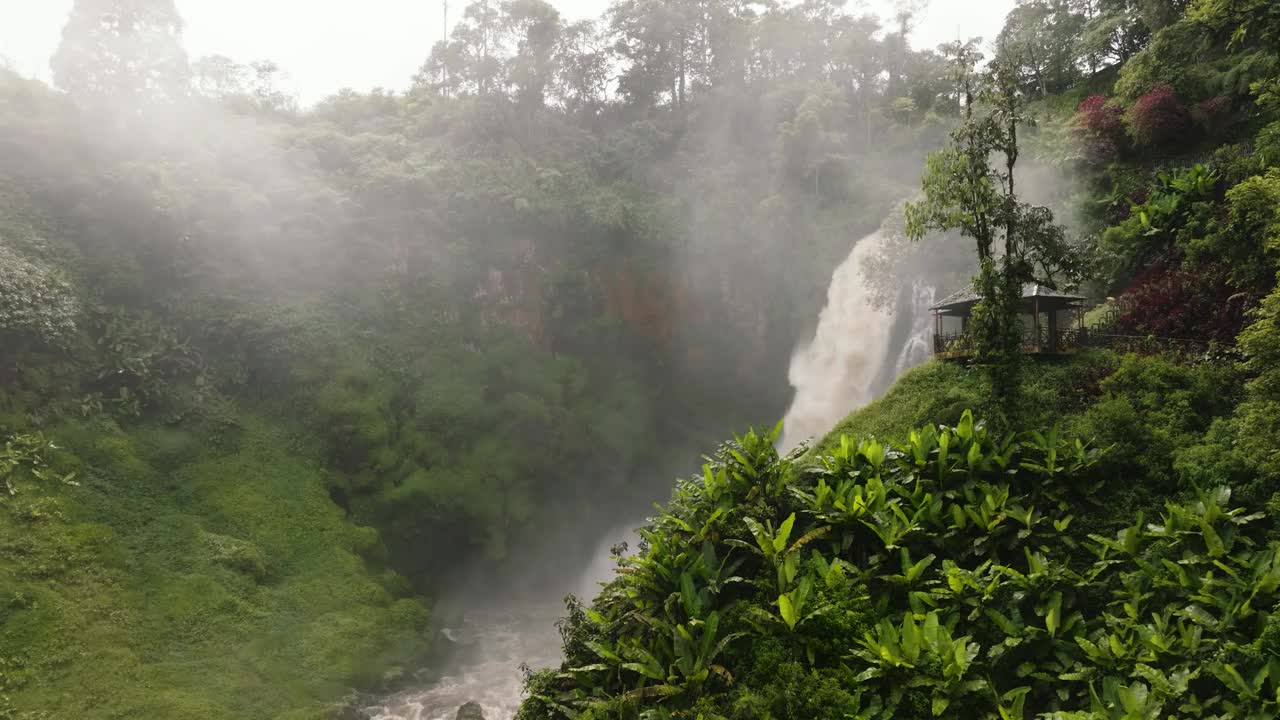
(1035, 311)
(1055, 333)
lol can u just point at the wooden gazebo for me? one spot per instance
(1052, 323)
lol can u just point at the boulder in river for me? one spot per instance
(470, 711)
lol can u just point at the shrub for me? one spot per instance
(1249, 239)
(24, 455)
(1259, 415)
(238, 555)
(1267, 146)
(1159, 117)
(779, 686)
(992, 588)
(1175, 212)
(1127, 185)
(1217, 459)
(1174, 57)
(36, 303)
(1100, 125)
(1235, 163)
(1155, 408)
(1173, 301)
(1212, 115)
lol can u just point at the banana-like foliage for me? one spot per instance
(984, 597)
(25, 454)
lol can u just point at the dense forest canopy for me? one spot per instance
(275, 380)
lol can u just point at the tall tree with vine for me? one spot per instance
(969, 186)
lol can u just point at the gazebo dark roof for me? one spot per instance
(965, 299)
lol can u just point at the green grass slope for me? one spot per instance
(183, 579)
(939, 392)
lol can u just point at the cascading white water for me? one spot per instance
(836, 372)
(918, 347)
(492, 646)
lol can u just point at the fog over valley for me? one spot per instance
(639, 360)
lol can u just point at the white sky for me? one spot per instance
(326, 45)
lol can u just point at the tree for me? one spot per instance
(867, 58)
(1041, 39)
(253, 87)
(126, 51)
(646, 38)
(445, 69)
(1113, 33)
(581, 66)
(472, 60)
(896, 48)
(1016, 243)
(219, 77)
(1243, 23)
(1158, 14)
(810, 149)
(481, 32)
(537, 27)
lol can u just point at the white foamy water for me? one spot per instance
(919, 346)
(835, 373)
(492, 645)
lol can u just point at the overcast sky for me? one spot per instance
(326, 45)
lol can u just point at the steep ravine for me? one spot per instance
(858, 349)
(491, 638)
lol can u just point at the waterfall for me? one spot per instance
(836, 372)
(918, 347)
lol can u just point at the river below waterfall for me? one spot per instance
(489, 641)
(490, 648)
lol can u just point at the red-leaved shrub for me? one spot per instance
(1170, 301)
(1159, 117)
(1100, 124)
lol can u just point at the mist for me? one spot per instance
(494, 316)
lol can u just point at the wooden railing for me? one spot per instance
(951, 343)
(1072, 340)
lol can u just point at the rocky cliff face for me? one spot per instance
(708, 326)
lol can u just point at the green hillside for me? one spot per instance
(280, 384)
(1087, 538)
